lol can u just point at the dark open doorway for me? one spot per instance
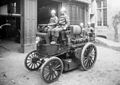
(10, 25)
(12, 30)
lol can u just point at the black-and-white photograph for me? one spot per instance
(59, 42)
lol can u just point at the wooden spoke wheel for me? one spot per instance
(51, 69)
(32, 61)
(88, 56)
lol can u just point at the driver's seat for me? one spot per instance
(42, 33)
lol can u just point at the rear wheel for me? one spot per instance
(88, 56)
(32, 61)
(51, 69)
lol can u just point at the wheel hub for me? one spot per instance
(91, 54)
(34, 60)
(51, 69)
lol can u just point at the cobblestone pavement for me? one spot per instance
(105, 72)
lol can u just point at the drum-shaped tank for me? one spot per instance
(76, 29)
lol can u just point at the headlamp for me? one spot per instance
(37, 39)
(63, 9)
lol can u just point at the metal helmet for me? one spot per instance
(63, 9)
(53, 11)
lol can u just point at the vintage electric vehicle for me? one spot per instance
(51, 59)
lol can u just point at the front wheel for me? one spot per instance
(32, 61)
(51, 69)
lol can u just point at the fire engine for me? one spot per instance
(77, 50)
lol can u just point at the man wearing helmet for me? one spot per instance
(52, 23)
(63, 23)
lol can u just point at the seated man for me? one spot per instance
(63, 23)
(52, 23)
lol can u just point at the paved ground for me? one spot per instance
(105, 72)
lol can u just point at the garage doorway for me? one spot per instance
(10, 26)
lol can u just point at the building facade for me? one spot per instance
(102, 13)
(30, 13)
(76, 9)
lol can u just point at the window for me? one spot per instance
(12, 8)
(102, 12)
(77, 13)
